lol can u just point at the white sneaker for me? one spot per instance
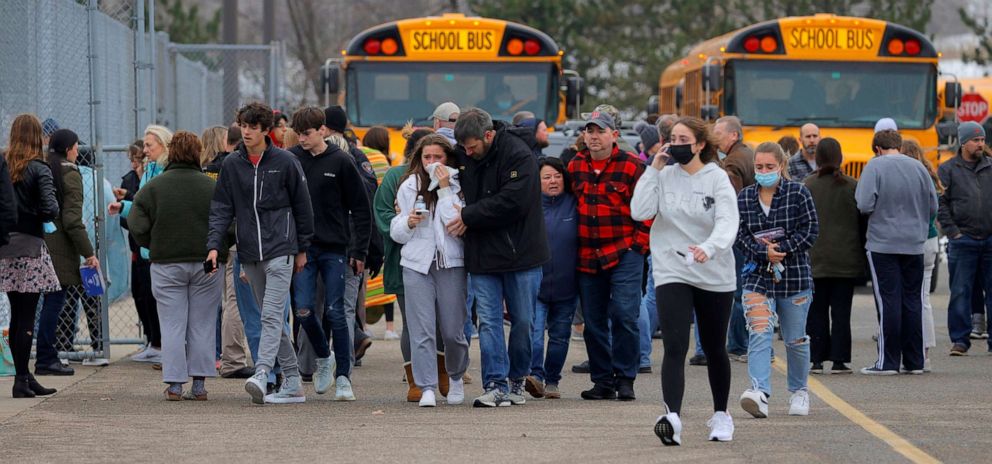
(721, 426)
(668, 428)
(255, 386)
(799, 403)
(290, 392)
(96, 362)
(323, 379)
(149, 355)
(344, 392)
(755, 403)
(427, 398)
(390, 335)
(456, 391)
(926, 365)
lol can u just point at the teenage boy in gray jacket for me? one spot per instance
(264, 190)
(965, 219)
(898, 194)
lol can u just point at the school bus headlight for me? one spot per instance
(515, 46)
(390, 47)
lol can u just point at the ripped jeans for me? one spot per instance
(761, 313)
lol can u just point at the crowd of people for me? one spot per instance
(267, 232)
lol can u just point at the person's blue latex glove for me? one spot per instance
(49, 227)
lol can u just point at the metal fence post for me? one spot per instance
(152, 63)
(139, 66)
(96, 116)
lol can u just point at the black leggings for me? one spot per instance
(22, 312)
(144, 301)
(675, 308)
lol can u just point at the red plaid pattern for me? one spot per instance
(606, 229)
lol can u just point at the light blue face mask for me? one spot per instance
(504, 105)
(766, 179)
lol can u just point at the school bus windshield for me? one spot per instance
(831, 94)
(390, 93)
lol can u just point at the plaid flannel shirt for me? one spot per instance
(799, 168)
(606, 229)
(792, 209)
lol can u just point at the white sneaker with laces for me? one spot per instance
(427, 399)
(755, 402)
(721, 426)
(391, 335)
(323, 379)
(256, 385)
(668, 428)
(96, 362)
(456, 391)
(799, 403)
(290, 392)
(344, 391)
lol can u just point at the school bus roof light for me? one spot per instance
(913, 47)
(372, 46)
(751, 44)
(515, 47)
(532, 47)
(768, 44)
(896, 47)
(389, 46)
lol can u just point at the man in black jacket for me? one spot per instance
(263, 189)
(505, 247)
(336, 188)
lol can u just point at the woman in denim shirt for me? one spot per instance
(778, 227)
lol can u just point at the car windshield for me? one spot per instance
(831, 94)
(393, 93)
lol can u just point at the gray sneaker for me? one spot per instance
(323, 380)
(290, 392)
(491, 399)
(516, 395)
(256, 385)
(551, 391)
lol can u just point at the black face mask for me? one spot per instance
(682, 154)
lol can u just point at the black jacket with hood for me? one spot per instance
(503, 207)
(269, 202)
(8, 203)
(966, 198)
(336, 187)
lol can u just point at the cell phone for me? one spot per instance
(208, 267)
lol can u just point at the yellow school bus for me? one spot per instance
(400, 71)
(841, 73)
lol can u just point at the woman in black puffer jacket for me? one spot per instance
(26, 269)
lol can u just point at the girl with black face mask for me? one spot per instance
(695, 224)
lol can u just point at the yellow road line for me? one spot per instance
(898, 443)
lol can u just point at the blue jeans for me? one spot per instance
(251, 314)
(647, 320)
(469, 304)
(761, 313)
(499, 360)
(737, 337)
(556, 317)
(966, 258)
(330, 268)
(695, 331)
(610, 306)
(48, 321)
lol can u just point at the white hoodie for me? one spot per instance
(429, 241)
(698, 209)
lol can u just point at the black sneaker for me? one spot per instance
(644, 370)
(816, 368)
(959, 349)
(656, 335)
(581, 368)
(600, 392)
(55, 368)
(625, 390)
(840, 368)
(697, 360)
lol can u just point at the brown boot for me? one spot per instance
(413, 393)
(442, 375)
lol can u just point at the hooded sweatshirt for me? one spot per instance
(689, 210)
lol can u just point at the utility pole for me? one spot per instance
(229, 58)
(268, 35)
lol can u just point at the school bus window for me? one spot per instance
(392, 87)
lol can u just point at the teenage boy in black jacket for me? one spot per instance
(335, 188)
(263, 188)
(505, 247)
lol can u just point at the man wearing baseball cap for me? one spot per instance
(444, 118)
(967, 182)
(611, 258)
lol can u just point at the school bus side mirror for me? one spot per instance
(952, 94)
(946, 132)
(329, 77)
(711, 77)
(653, 104)
(574, 87)
(709, 112)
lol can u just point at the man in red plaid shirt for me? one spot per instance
(611, 258)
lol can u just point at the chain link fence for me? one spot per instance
(96, 67)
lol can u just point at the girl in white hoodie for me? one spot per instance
(695, 224)
(434, 278)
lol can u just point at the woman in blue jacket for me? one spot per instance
(558, 295)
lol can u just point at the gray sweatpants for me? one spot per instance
(269, 282)
(354, 295)
(437, 298)
(187, 313)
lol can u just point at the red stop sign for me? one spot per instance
(973, 107)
